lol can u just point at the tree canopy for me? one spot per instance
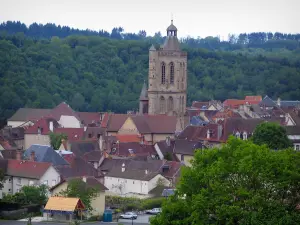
(2, 178)
(78, 188)
(241, 183)
(271, 134)
(56, 139)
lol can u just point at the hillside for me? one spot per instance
(94, 73)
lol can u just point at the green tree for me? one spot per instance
(241, 183)
(168, 156)
(56, 139)
(28, 195)
(271, 134)
(78, 188)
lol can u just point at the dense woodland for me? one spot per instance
(42, 65)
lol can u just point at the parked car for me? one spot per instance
(129, 215)
(154, 211)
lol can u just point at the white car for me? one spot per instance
(129, 215)
(154, 211)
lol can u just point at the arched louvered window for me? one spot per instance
(163, 73)
(162, 103)
(172, 73)
(170, 104)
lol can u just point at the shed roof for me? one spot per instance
(64, 204)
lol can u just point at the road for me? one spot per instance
(125, 222)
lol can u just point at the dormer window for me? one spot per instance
(245, 135)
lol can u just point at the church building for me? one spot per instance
(167, 80)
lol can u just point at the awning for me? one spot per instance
(63, 204)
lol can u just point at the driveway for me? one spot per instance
(142, 219)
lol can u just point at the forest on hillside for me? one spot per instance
(42, 65)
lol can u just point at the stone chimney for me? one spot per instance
(51, 126)
(278, 102)
(18, 155)
(84, 179)
(85, 128)
(101, 142)
(168, 141)
(123, 167)
(208, 134)
(32, 156)
(146, 171)
(220, 131)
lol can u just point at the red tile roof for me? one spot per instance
(28, 169)
(74, 134)
(43, 124)
(128, 138)
(63, 109)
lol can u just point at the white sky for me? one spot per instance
(192, 17)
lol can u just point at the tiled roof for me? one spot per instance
(186, 147)
(28, 169)
(43, 124)
(89, 117)
(25, 114)
(144, 123)
(93, 156)
(79, 148)
(94, 132)
(267, 102)
(200, 105)
(105, 119)
(15, 133)
(44, 153)
(78, 167)
(131, 174)
(74, 134)
(132, 149)
(128, 138)
(63, 109)
(165, 148)
(292, 130)
(10, 154)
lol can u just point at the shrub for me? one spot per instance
(96, 218)
(152, 203)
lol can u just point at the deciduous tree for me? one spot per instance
(56, 139)
(241, 183)
(271, 134)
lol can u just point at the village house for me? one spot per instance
(130, 177)
(97, 203)
(19, 173)
(153, 127)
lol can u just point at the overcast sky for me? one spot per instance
(192, 17)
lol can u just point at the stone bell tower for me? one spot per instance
(167, 77)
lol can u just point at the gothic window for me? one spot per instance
(162, 104)
(171, 73)
(170, 104)
(163, 73)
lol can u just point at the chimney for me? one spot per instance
(123, 167)
(220, 129)
(101, 142)
(278, 102)
(51, 126)
(18, 155)
(208, 134)
(84, 179)
(141, 139)
(168, 141)
(32, 156)
(84, 128)
(146, 171)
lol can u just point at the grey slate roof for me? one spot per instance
(267, 101)
(25, 114)
(79, 148)
(171, 44)
(152, 48)
(44, 153)
(132, 174)
(186, 147)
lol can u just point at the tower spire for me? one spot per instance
(171, 18)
